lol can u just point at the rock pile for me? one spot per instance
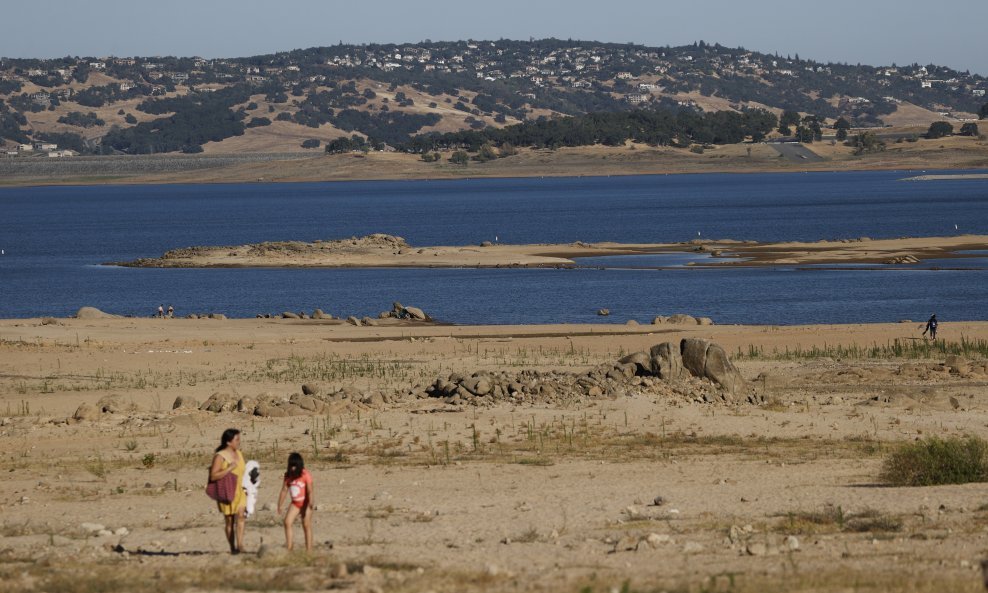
(399, 311)
(694, 370)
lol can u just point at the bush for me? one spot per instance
(934, 461)
(939, 129)
(310, 143)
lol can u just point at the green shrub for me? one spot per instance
(936, 461)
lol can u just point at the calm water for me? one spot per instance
(55, 238)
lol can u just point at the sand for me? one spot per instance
(377, 251)
(423, 496)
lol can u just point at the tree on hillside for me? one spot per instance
(983, 112)
(969, 129)
(789, 118)
(459, 158)
(939, 129)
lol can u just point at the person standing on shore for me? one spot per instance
(161, 310)
(931, 326)
(171, 312)
(229, 459)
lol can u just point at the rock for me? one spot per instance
(682, 319)
(667, 362)
(486, 244)
(192, 316)
(185, 403)
(658, 501)
(603, 312)
(721, 370)
(416, 313)
(246, 405)
(694, 355)
(289, 315)
(792, 543)
(85, 412)
(121, 531)
(219, 402)
(218, 316)
(110, 404)
(339, 571)
(266, 410)
(704, 321)
(307, 403)
(310, 389)
(92, 527)
(642, 362)
(659, 320)
(655, 540)
(631, 322)
(368, 321)
(756, 549)
(319, 314)
(692, 547)
(93, 313)
(353, 321)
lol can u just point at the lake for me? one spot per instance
(55, 238)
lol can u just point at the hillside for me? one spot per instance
(387, 94)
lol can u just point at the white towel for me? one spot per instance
(251, 486)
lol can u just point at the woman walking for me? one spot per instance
(228, 459)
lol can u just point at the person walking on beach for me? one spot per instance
(297, 486)
(227, 459)
(931, 326)
(161, 310)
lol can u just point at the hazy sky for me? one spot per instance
(948, 32)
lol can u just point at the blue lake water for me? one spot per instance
(55, 239)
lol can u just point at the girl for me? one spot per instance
(298, 484)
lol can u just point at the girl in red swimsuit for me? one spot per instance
(297, 486)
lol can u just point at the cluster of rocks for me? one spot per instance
(311, 400)
(694, 370)
(677, 319)
(108, 404)
(954, 367)
(399, 311)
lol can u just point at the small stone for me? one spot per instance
(92, 527)
(692, 547)
(657, 539)
(121, 531)
(756, 549)
(339, 571)
(792, 543)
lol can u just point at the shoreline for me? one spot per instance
(566, 162)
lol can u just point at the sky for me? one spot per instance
(874, 32)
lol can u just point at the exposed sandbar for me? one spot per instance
(386, 251)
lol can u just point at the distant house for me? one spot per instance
(926, 84)
(42, 98)
(637, 98)
(24, 148)
(978, 92)
(624, 76)
(62, 153)
(97, 65)
(43, 146)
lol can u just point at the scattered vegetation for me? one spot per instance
(915, 349)
(934, 461)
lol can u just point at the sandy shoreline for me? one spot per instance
(385, 251)
(547, 492)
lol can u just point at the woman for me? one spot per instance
(229, 459)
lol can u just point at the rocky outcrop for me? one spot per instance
(705, 359)
(399, 311)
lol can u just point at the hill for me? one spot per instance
(386, 95)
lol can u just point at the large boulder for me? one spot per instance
(93, 313)
(219, 402)
(722, 371)
(185, 403)
(694, 354)
(667, 362)
(85, 412)
(707, 360)
(416, 313)
(289, 315)
(682, 319)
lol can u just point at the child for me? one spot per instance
(298, 484)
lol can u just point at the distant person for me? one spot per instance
(229, 459)
(171, 312)
(161, 310)
(297, 486)
(931, 326)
